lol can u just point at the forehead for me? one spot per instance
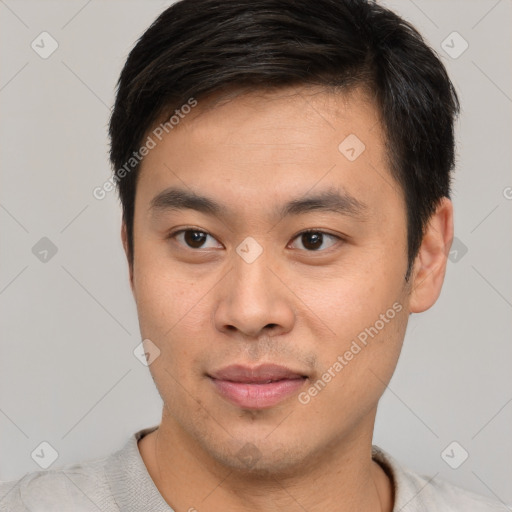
(272, 145)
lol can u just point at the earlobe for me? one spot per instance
(124, 238)
(430, 263)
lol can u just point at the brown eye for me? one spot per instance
(192, 238)
(313, 240)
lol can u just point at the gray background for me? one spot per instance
(68, 325)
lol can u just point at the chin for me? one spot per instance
(259, 458)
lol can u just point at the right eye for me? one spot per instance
(191, 238)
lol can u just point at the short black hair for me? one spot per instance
(199, 47)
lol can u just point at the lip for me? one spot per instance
(258, 387)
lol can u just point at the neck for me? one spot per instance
(342, 479)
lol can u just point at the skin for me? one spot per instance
(206, 308)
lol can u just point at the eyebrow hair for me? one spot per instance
(329, 200)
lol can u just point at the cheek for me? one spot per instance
(168, 318)
(352, 297)
(164, 301)
(173, 313)
(356, 366)
(366, 312)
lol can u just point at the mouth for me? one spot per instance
(258, 387)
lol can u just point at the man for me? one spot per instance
(284, 171)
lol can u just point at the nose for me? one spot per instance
(254, 301)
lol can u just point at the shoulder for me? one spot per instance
(103, 483)
(81, 487)
(420, 493)
(455, 498)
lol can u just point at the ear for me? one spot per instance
(430, 263)
(124, 238)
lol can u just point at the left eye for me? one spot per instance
(313, 240)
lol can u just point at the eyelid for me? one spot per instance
(317, 230)
(338, 238)
(176, 232)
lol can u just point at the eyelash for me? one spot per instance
(316, 231)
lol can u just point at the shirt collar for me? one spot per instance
(130, 482)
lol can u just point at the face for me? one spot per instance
(292, 271)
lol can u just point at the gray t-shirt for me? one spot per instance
(120, 482)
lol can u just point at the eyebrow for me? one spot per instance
(329, 200)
